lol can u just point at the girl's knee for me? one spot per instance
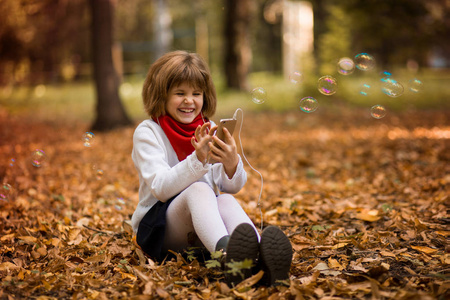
(199, 188)
(226, 198)
(227, 202)
(199, 192)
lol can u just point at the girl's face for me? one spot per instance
(184, 103)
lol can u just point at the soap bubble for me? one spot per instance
(385, 74)
(259, 95)
(5, 192)
(88, 139)
(378, 111)
(99, 174)
(346, 66)
(365, 89)
(38, 158)
(364, 61)
(391, 87)
(415, 85)
(120, 203)
(327, 85)
(296, 77)
(308, 104)
(12, 162)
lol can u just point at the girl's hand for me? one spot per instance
(225, 152)
(201, 139)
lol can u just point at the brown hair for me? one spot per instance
(171, 70)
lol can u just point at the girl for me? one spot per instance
(184, 200)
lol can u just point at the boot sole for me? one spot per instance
(243, 245)
(276, 255)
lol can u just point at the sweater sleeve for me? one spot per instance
(150, 157)
(229, 185)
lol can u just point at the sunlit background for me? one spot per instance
(46, 52)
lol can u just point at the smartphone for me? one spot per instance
(230, 125)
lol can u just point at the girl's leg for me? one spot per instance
(232, 213)
(194, 210)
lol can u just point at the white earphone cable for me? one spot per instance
(246, 160)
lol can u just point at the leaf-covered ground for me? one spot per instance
(364, 202)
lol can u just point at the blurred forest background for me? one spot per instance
(49, 44)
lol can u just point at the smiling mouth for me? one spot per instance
(187, 110)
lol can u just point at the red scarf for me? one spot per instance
(179, 134)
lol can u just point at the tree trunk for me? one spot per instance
(109, 110)
(238, 53)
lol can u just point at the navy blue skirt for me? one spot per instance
(151, 231)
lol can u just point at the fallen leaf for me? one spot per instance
(357, 267)
(249, 281)
(387, 253)
(334, 264)
(424, 249)
(339, 245)
(162, 293)
(444, 233)
(7, 266)
(368, 215)
(309, 279)
(323, 268)
(83, 222)
(7, 237)
(28, 239)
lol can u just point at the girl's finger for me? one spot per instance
(205, 127)
(215, 152)
(221, 144)
(218, 149)
(228, 137)
(197, 131)
(212, 130)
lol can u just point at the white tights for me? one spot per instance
(197, 209)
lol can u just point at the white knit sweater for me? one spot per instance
(162, 175)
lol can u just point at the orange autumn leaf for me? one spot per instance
(334, 264)
(368, 215)
(6, 266)
(339, 245)
(424, 249)
(387, 253)
(444, 233)
(28, 239)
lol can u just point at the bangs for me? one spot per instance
(189, 74)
